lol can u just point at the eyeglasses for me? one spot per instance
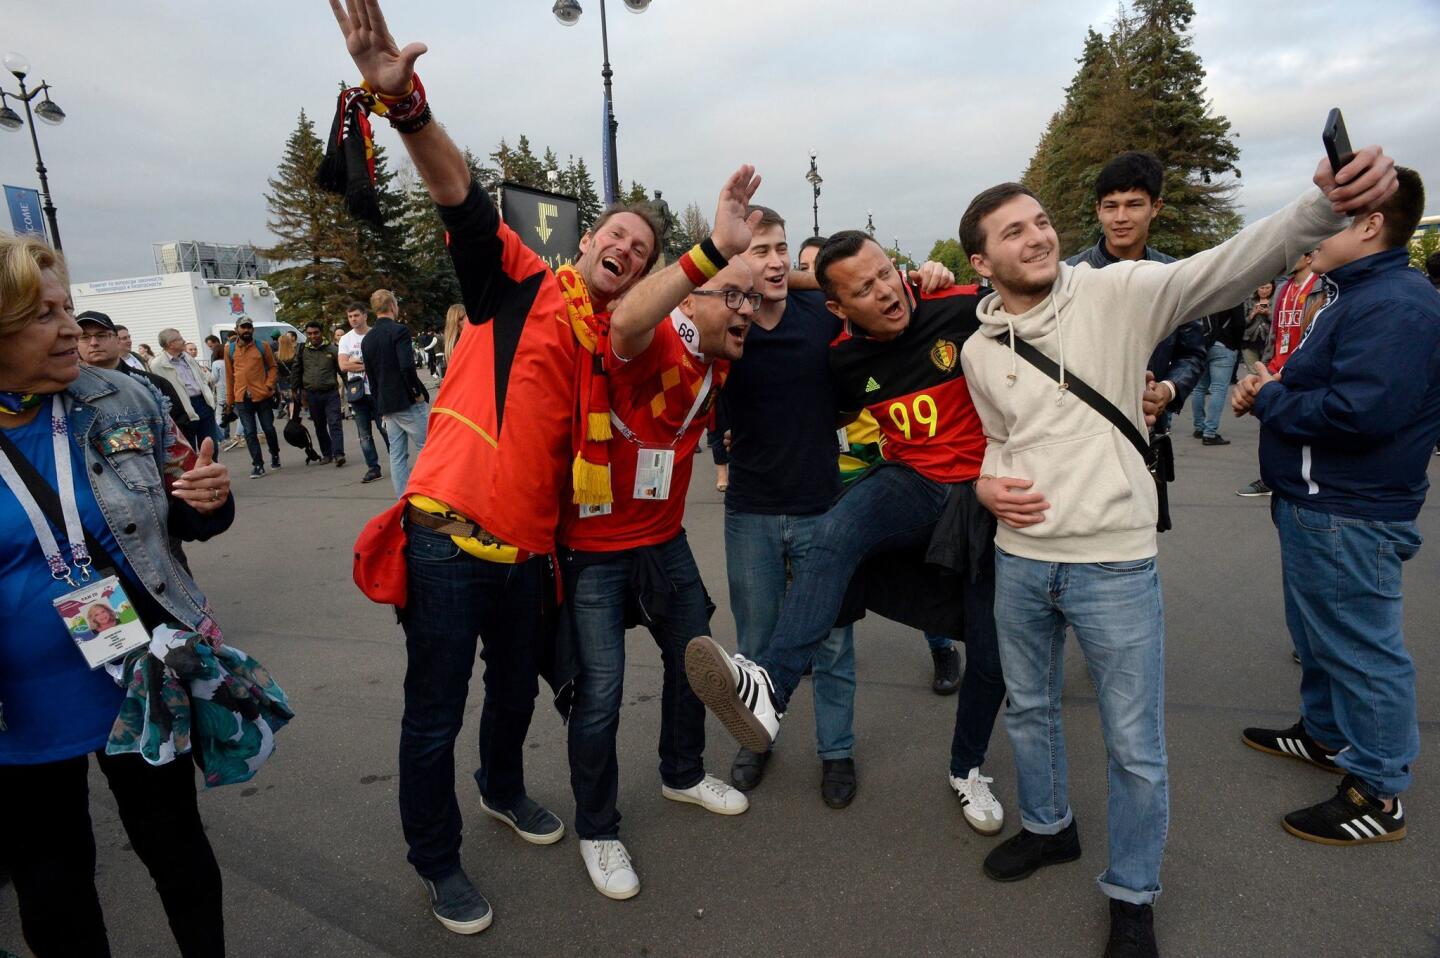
(99, 337)
(733, 297)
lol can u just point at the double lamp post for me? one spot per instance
(47, 111)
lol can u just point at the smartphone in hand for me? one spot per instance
(1337, 141)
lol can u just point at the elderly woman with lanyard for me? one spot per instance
(94, 476)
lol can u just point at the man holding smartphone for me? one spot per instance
(1345, 441)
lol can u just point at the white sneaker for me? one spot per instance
(710, 794)
(610, 869)
(982, 809)
(736, 690)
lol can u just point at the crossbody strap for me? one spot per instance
(1086, 394)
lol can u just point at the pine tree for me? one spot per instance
(1140, 88)
(312, 228)
(637, 194)
(579, 185)
(433, 284)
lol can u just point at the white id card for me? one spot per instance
(653, 467)
(102, 621)
(843, 438)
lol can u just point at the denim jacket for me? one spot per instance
(131, 448)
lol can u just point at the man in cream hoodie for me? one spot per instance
(1077, 507)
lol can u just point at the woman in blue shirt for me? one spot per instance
(102, 442)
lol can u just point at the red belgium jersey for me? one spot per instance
(914, 387)
(652, 395)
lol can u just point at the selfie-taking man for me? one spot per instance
(485, 492)
(901, 362)
(1345, 441)
(1078, 507)
(627, 561)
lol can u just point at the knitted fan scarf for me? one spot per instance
(590, 474)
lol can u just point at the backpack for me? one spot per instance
(264, 353)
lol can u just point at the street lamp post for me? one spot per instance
(813, 178)
(568, 13)
(47, 111)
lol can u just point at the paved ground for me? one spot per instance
(314, 862)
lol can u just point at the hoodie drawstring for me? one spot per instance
(1064, 387)
(1059, 339)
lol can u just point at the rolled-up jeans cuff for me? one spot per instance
(1126, 894)
(1053, 829)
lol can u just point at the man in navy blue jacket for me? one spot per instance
(1346, 437)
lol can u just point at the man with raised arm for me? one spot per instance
(464, 553)
(627, 562)
(1056, 372)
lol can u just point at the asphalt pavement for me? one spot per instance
(314, 862)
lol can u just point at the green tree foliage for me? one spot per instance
(637, 194)
(575, 181)
(1422, 249)
(315, 234)
(951, 255)
(1140, 88)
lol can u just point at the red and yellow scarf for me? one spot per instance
(590, 473)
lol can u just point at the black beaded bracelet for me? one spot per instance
(415, 124)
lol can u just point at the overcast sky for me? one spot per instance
(178, 111)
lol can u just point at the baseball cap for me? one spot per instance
(245, 321)
(98, 319)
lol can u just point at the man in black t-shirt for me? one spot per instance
(780, 410)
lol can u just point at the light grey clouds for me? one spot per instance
(179, 111)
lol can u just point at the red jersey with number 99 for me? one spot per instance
(914, 387)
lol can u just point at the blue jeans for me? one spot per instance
(325, 414)
(364, 410)
(598, 594)
(1343, 607)
(895, 508)
(937, 643)
(757, 551)
(452, 598)
(1208, 399)
(1118, 617)
(250, 412)
(202, 427)
(406, 431)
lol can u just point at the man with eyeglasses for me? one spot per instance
(100, 345)
(627, 562)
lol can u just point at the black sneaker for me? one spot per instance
(748, 769)
(339, 461)
(274, 462)
(1025, 853)
(1256, 488)
(837, 781)
(1132, 931)
(370, 475)
(257, 472)
(530, 820)
(459, 904)
(323, 461)
(1215, 440)
(1352, 817)
(1292, 742)
(947, 670)
(1198, 434)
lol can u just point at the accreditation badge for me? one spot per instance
(843, 438)
(654, 466)
(102, 621)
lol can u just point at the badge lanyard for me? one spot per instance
(700, 397)
(74, 531)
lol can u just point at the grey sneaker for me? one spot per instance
(1256, 488)
(530, 820)
(458, 904)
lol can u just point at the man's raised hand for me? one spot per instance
(733, 225)
(384, 66)
(1360, 185)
